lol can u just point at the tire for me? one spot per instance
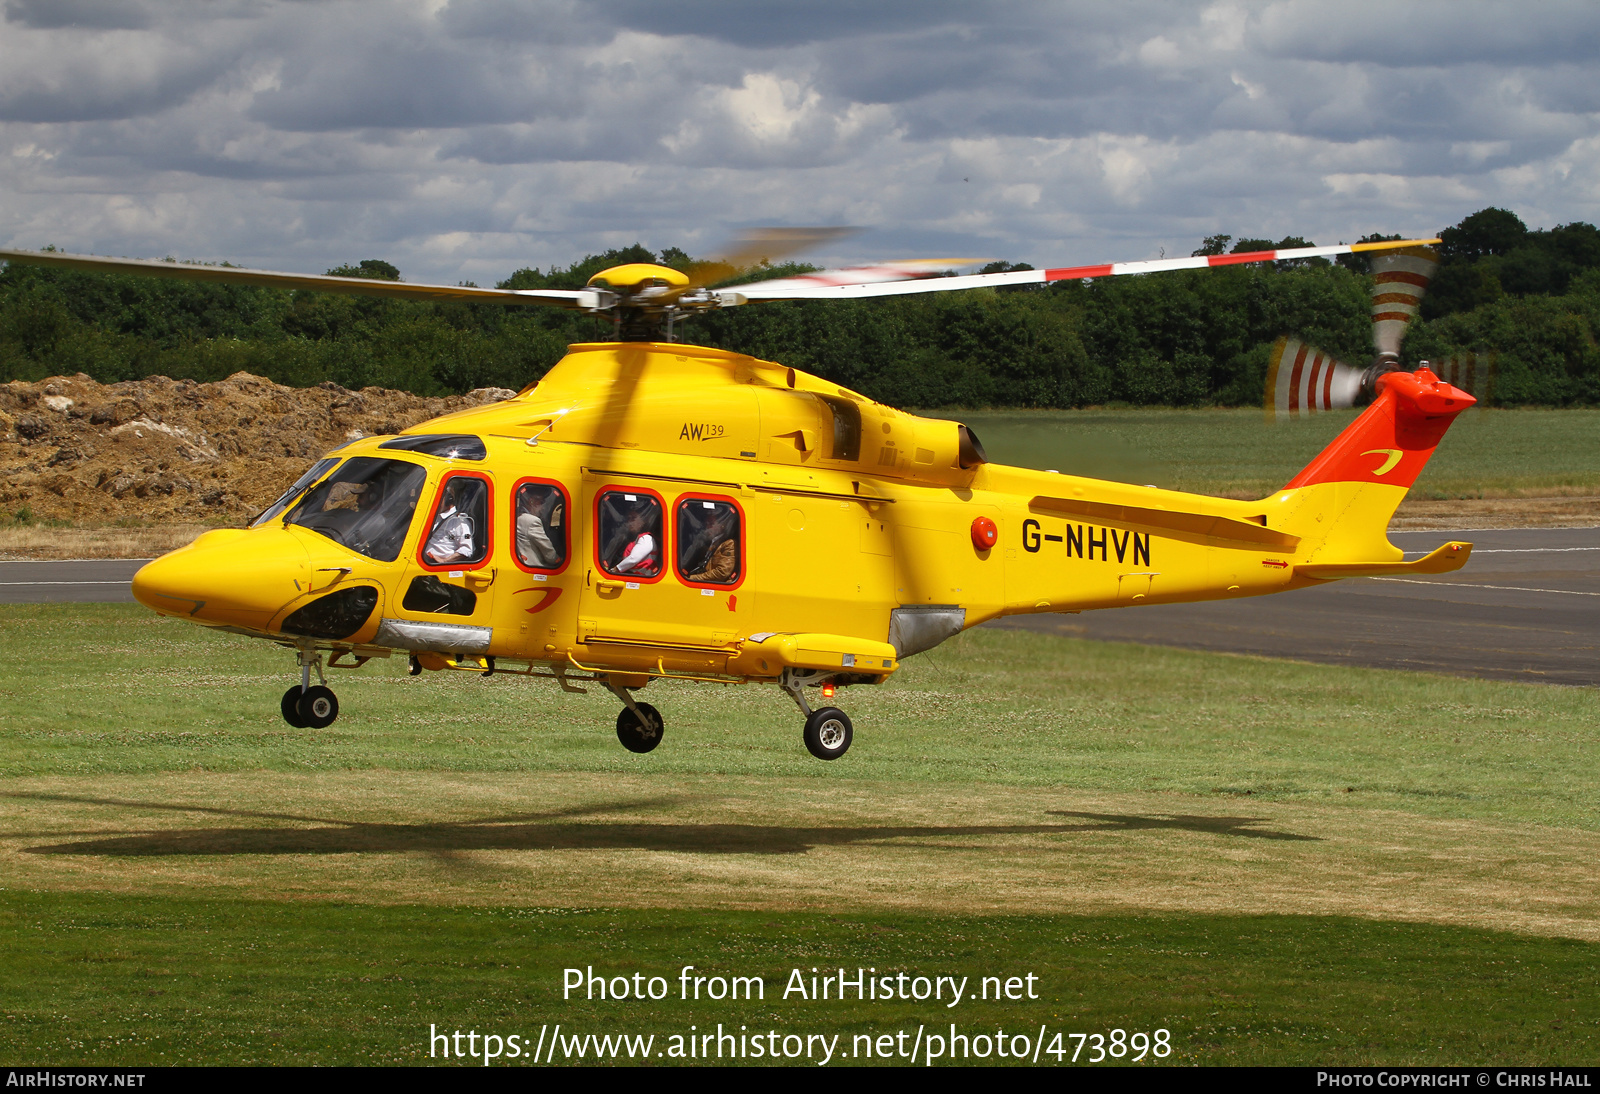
(636, 736)
(290, 707)
(828, 733)
(318, 707)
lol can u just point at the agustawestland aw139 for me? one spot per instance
(656, 510)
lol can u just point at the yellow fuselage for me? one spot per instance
(849, 511)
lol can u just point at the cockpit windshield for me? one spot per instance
(366, 505)
(318, 469)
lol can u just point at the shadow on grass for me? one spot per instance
(555, 831)
(1221, 826)
(632, 805)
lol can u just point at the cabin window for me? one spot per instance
(710, 542)
(459, 534)
(630, 534)
(366, 505)
(540, 526)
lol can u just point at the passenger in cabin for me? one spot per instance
(719, 563)
(639, 556)
(537, 518)
(452, 538)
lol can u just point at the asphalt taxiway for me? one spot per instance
(74, 581)
(1526, 606)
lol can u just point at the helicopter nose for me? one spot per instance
(233, 577)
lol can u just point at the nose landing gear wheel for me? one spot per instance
(318, 707)
(637, 736)
(290, 708)
(828, 733)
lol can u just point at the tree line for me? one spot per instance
(1529, 298)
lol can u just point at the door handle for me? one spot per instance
(482, 578)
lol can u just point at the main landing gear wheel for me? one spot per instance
(828, 733)
(291, 708)
(637, 735)
(318, 707)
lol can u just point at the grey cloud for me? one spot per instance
(502, 131)
(1440, 32)
(565, 23)
(55, 75)
(781, 25)
(99, 14)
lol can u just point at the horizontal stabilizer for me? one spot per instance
(1196, 527)
(1452, 556)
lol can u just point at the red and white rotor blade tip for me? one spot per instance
(1301, 379)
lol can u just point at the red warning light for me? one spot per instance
(984, 534)
(827, 690)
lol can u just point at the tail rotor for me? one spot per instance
(1399, 278)
(1302, 379)
(1474, 373)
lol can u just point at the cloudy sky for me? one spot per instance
(461, 139)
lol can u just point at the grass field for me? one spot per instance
(1276, 862)
(1238, 453)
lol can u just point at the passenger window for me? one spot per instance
(541, 526)
(710, 550)
(460, 532)
(630, 534)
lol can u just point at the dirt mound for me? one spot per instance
(177, 450)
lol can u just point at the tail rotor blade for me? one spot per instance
(1301, 379)
(1399, 280)
(1474, 373)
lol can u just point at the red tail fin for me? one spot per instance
(1391, 442)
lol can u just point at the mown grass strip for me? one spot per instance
(113, 689)
(129, 981)
(1238, 453)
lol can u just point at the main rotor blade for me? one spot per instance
(865, 281)
(756, 246)
(237, 275)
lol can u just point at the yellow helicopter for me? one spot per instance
(657, 510)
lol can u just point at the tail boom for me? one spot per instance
(1076, 544)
